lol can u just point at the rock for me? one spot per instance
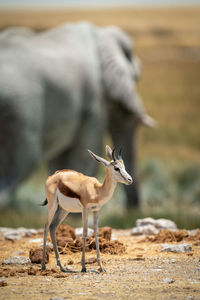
(145, 229)
(181, 248)
(30, 232)
(36, 254)
(19, 260)
(79, 231)
(16, 233)
(168, 280)
(159, 223)
(150, 226)
(3, 281)
(38, 240)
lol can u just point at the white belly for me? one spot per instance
(69, 204)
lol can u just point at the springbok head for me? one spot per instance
(115, 165)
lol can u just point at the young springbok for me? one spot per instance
(70, 191)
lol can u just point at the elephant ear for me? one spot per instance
(119, 72)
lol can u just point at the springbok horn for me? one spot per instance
(113, 155)
(120, 154)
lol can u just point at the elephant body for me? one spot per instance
(59, 90)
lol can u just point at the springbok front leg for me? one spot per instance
(46, 229)
(58, 218)
(96, 219)
(85, 229)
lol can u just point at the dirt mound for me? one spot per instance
(36, 254)
(22, 272)
(66, 231)
(69, 243)
(167, 236)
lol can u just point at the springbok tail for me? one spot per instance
(44, 203)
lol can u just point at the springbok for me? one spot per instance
(70, 191)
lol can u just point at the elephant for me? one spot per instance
(61, 91)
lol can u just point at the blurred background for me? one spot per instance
(166, 36)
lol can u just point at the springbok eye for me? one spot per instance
(116, 169)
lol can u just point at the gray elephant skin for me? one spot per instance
(61, 91)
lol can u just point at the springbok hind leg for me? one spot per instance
(51, 214)
(96, 217)
(85, 229)
(58, 218)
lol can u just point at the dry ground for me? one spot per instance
(137, 274)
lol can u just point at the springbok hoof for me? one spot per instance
(43, 267)
(100, 269)
(83, 270)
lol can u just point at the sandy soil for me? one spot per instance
(138, 273)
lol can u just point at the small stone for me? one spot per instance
(173, 260)
(181, 248)
(38, 240)
(168, 280)
(19, 260)
(3, 281)
(159, 269)
(30, 232)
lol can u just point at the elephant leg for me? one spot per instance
(123, 129)
(20, 143)
(88, 136)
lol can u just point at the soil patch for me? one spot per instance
(168, 236)
(68, 242)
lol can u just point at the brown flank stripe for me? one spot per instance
(65, 190)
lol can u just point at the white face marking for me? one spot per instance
(119, 172)
(69, 204)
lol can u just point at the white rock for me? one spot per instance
(20, 260)
(16, 233)
(38, 240)
(30, 232)
(168, 280)
(145, 229)
(79, 231)
(181, 248)
(165, 224)
(3, 281)
(159, 223)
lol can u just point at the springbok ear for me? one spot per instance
(109, 152)
(99, 159)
